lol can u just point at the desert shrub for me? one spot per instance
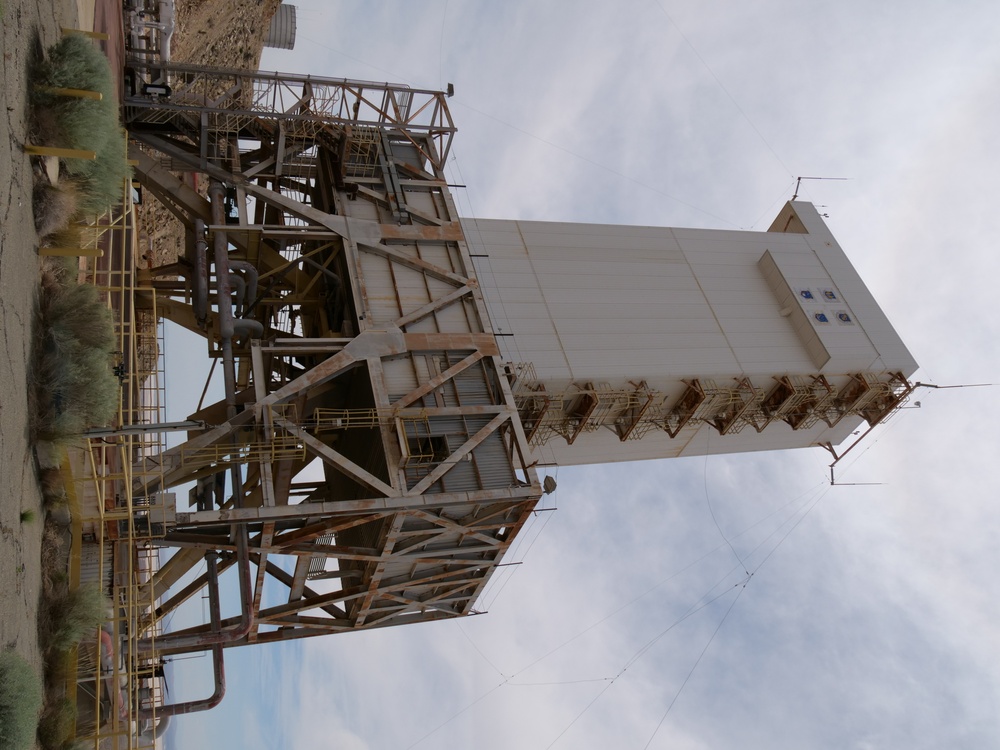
(75, 62)
(71, 235)
(73, 616)
(103, 178)
(53, 488)
(54, 274)
(54, 206)
(20, 701)
(73, 386)
(55, 578)
(58, 724)
(78, 312)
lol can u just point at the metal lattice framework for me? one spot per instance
(339, 285)
(799, 401)
(214, 105)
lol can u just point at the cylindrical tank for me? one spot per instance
(281, 34)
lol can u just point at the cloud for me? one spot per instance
(870, 619)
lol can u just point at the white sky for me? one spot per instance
(870, 620)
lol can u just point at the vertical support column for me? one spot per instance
(390, 438)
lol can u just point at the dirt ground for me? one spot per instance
(27, 27)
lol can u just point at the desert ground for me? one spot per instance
(27, 28)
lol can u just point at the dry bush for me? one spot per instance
(54, 273)
(57, 725)
(54, 206)
(54, 576)
(20, 702)
(53, 488)
(72, 235)
(73, 387)
(72, 616)
(77, 63)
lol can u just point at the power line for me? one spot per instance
(701, 603)
(696, 663)
(723, 87)
(708, 502)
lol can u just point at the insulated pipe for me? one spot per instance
(153, 731)
(166, 27)
(224, 293)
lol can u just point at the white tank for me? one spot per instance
(281, 34)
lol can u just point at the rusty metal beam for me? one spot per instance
(180, 198)
(414, 263)
(367, 344)
(388, 543)
(263, 542)
(433, 306)
(340, 508)
(338, 461)
(447, 523)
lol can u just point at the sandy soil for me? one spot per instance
(27, 27)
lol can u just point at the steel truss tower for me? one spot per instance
(351, 330)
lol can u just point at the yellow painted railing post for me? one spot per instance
(72, 252)
(77, 93)
(62, 153)
(80, 32)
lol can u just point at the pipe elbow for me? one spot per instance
(248, 328)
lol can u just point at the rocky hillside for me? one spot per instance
(225, 33)
(222, 33)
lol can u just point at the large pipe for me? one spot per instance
(166, 28)
(218, 667)
(154, 730)
(197, 277)
(200, 285)
(250, 273)
(224, 300)
(223, 292)
(248, 328)
(199, 641)
(237, 283)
